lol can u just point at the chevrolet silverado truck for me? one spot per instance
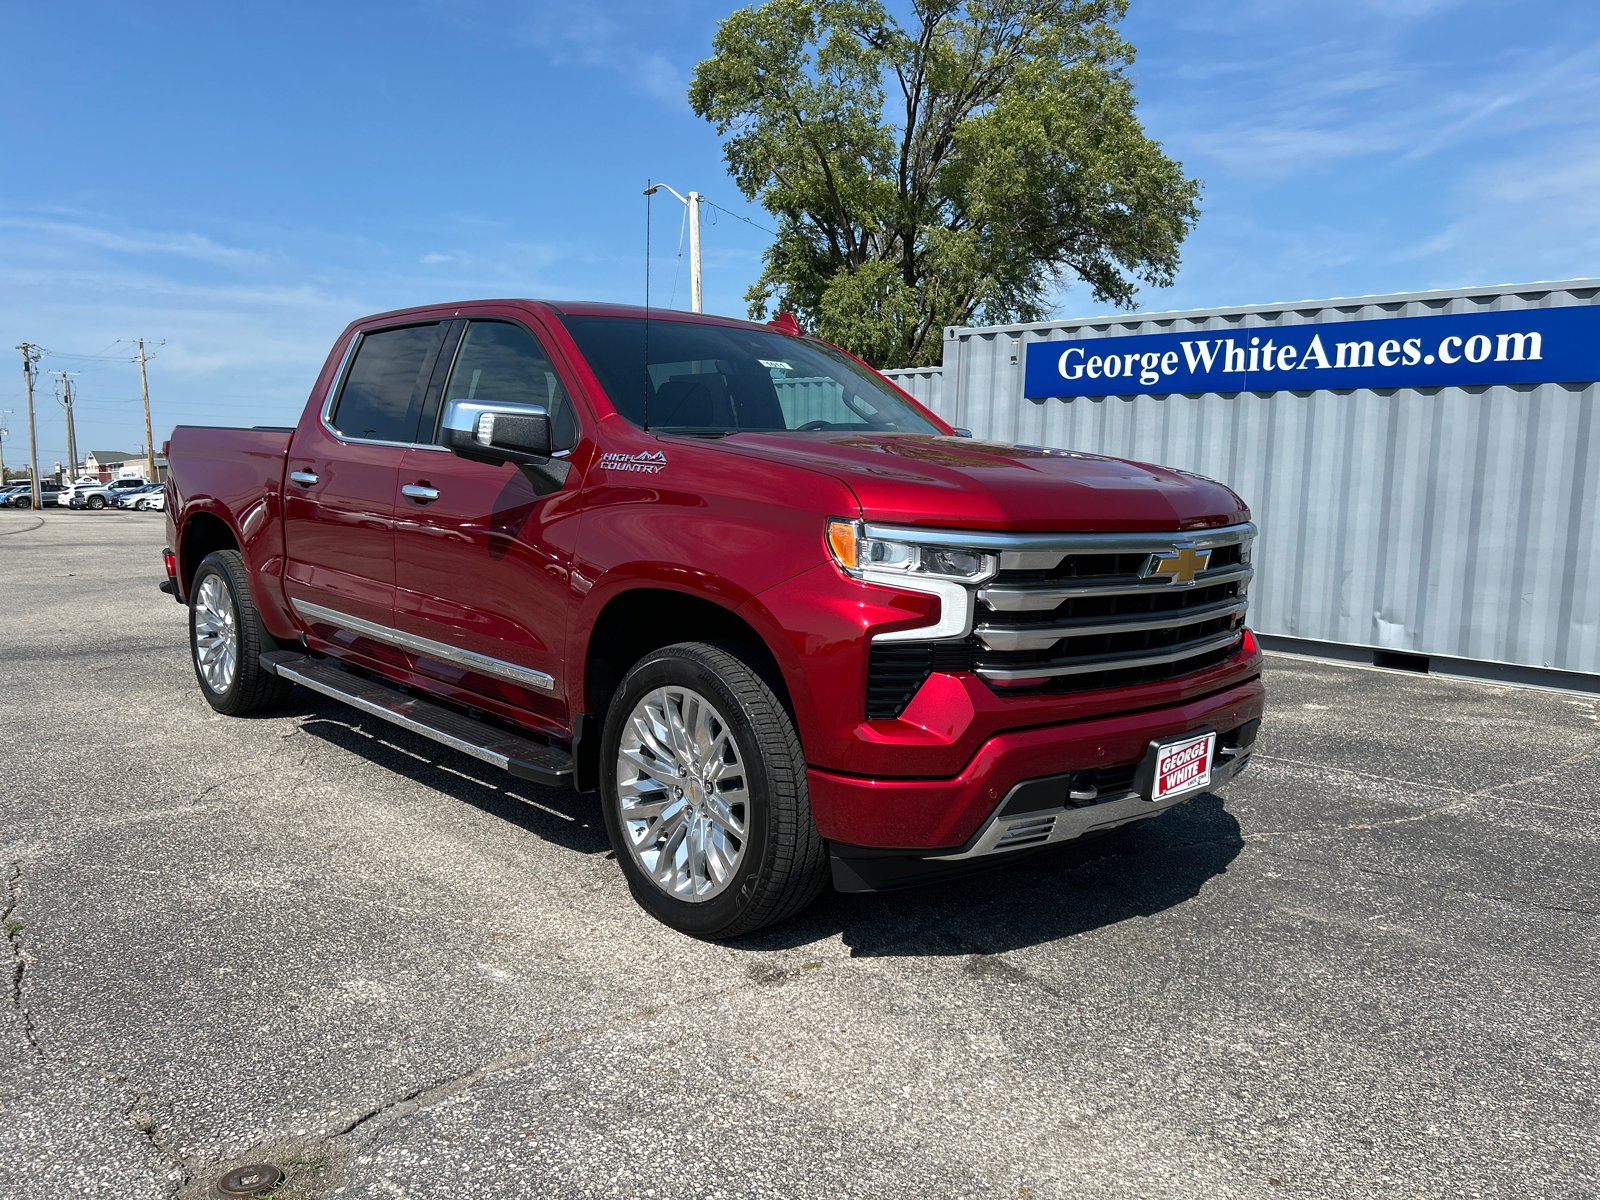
(790, 625)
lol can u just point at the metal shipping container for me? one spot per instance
(1453, 522)
(923, 383)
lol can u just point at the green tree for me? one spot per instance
(963, 166)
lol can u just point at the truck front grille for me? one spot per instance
(1086, 612)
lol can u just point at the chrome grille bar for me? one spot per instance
(1024, 637)
(1115, 662)
(1062, 544)
(1022, 597)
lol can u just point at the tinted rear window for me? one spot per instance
(382, 395)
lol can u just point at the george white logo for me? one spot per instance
(650, 462)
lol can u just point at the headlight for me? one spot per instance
(889, 559)
(915, 563)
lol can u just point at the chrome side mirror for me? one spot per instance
(484, 431)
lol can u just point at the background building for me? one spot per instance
(1436, 514)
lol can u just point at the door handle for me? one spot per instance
(303, 478)
(419, 492)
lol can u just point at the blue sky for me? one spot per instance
(243, 180)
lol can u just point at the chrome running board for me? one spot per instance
(523, 757)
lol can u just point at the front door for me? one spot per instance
(481, 556)
(344, 463)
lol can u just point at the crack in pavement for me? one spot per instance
(38, 524)
(146, 1128)
(1432, 883)
(1466, 799)
(369, 1123)
(20, 959)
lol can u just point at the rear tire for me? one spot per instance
(226, 639)
(735, 780)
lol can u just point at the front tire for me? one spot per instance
(703, 786)
(226, 639)
(97, 502)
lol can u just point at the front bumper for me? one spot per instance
(934, 817)
(1034, 815)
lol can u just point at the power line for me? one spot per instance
(737, 217)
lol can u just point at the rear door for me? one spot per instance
(481, 556)
(339, 496)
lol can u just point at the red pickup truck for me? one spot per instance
(788, 623)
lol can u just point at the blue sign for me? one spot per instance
(1531, 345)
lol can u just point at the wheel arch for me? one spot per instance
(636, 621)
(203, 533)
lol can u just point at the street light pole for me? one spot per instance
(692, 201)
(694, 252)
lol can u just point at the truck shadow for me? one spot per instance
(563, 818)
(1136, 871)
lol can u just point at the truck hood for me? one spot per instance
(912, 479)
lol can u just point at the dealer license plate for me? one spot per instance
(1183, 766)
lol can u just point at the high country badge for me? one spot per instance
(650, 462)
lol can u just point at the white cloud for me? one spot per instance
(137, 242)
(246, 327)
(1532, 216)
(622, 37)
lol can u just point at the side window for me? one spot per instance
(499, 361)
(382, 394)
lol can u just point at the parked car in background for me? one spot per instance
(154, 500)
(128, 496)
(23, 496)
(77, 495)
(97, 495)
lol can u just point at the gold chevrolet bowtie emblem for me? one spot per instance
(1181, 566)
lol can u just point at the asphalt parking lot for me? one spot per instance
(1370, 968)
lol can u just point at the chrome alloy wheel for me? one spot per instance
(216, 634)
(683, 795)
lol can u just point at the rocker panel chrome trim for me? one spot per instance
(482, 663)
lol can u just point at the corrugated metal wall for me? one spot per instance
(809, 399)
(1445, 521)
(924, 384)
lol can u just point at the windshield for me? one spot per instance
(719, 379)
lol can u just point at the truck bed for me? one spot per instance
(236, 475)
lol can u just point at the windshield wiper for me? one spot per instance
(706, 431)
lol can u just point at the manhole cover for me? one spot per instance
(251, 1180)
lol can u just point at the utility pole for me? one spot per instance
(692, 201)
(72, 433)
(30, 356)
(144, 383)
